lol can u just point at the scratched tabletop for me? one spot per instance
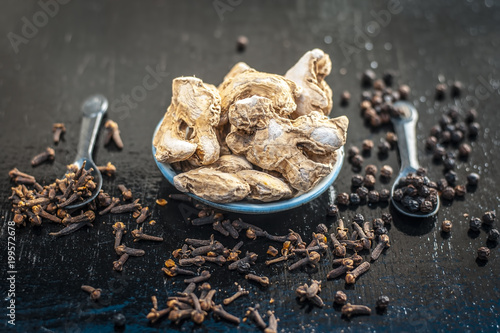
(53, 54)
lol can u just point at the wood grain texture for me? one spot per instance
(109, 47)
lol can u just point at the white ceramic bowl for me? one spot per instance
(247, 207)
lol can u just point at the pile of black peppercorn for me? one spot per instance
(416, 192)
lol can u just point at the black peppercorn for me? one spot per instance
(423, 191)
(380, 231)
(367, 145)
(474, 129)
(456, 136)
(352, 151)
(446, 136)
(432, 198)
(451, 177)
(366, 96)
(413, 205)
(371, 170)
(448, 193)
(449, 163)
(241, 43)
(368, 77)
(439, 152)
(426, 206)
(388, 77)
(343, 199)
(446, 226)
(473, 179)
(384, 195)
(354, 199)
(442, 184)
(357, 160)
(392, 138)
(369, 181)
(471, 115)
(453, 113)
(362, 192)
(483, 253)
(404, 91)
(436, 131)
(440, 91)
(375, 121)
(379, 85)
(378, 223)
(398, 195)
(456, 89)
(431, 143)
(464, 150)
(460, 190)
(373, 196)
(382, 303)
(386, 172)
(387, 218)
(359, 219)
(119, 320)
(345, 97)
(489, 217)
(493, 235)
(475, 224)
(357, 180)
(384, 147)
(422, 172)
(410, 190)
(333, 210)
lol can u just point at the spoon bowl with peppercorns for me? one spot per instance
(413, 201)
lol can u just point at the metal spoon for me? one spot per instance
(407, 144)
(93, 109)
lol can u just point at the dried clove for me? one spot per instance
(121, 249)
(113, 132)
(126, 193)
(138, 235)
(217, 226)
(108, 169)
(253, 314)
(263, 280)
(197, 260)
(219, 312)
(118, 264)
(197, 315)
(114, 202)
(240, 292)
(118, 231)
(131, 207)
(340, 298)
(382, 244)
(204, 276)
(273, 323)
(38, 210)
(231, 229)
(174, 271)
(351, 276)
(95, 294)
(70, 229)
(58, 129)
(349, 310)
(47, 155)
(312, 258)
(88, 216)
(346, 265)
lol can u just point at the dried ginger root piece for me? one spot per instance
(231, 164)
(212, 185)
(309, 73)
(264, 187)
(281, 91)
(275, 143)
(236, 70)
(187, 131)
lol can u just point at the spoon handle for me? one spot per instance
(407, 140)
(93, 109)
